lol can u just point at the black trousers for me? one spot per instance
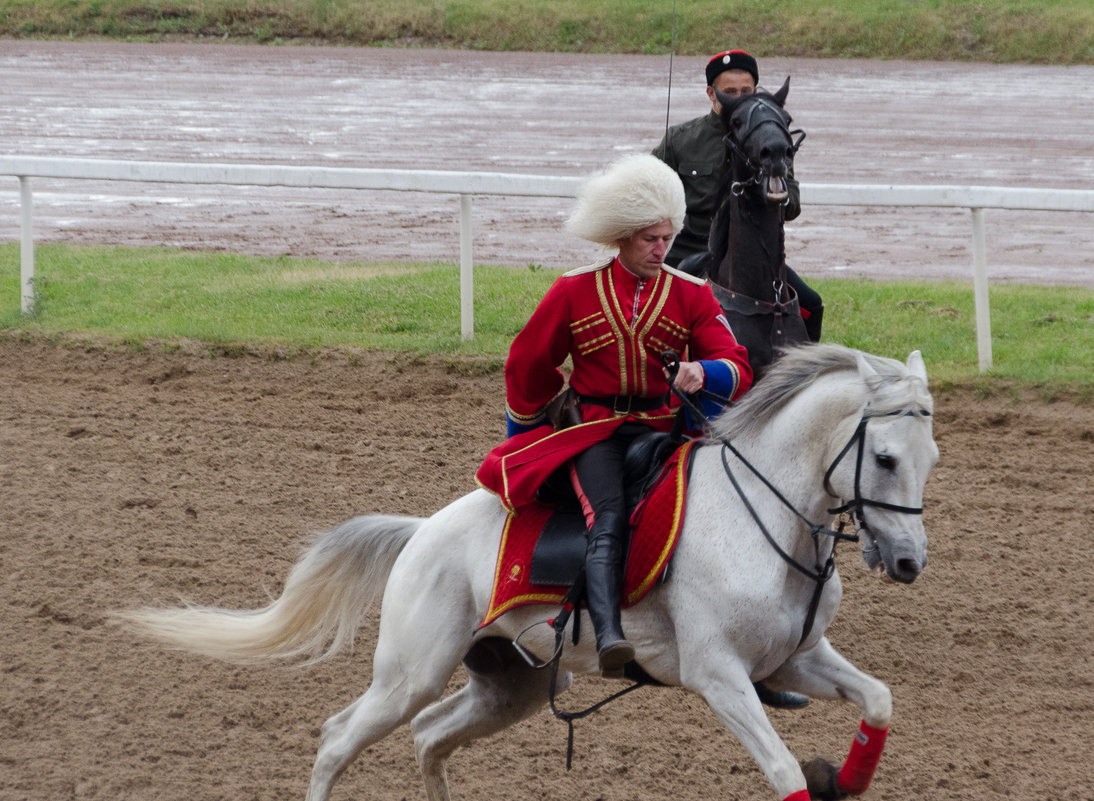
(598, 473)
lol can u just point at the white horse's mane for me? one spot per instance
(893, 387)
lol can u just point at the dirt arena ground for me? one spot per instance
(136, 478)
(139, 478)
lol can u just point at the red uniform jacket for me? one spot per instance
(614, 327)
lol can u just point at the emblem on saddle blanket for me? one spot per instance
(655, 530)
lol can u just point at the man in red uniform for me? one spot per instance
(613, 319)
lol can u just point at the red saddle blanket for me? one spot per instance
(655, 530)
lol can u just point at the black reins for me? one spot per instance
(819, 574)
(855, 508)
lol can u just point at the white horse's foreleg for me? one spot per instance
(822, 672)
(729, 692)
(489, 703)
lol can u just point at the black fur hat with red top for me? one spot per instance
(732, 60)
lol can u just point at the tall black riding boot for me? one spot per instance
(603, 588)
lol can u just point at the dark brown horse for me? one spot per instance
(747, 261)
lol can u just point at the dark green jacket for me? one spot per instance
(696, 151)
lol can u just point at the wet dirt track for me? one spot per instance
(132, 479)
(867, 122)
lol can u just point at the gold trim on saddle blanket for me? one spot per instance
(656, 530)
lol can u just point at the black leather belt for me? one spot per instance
(624, 404)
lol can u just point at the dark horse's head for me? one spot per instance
(758, 133)
(747, 259)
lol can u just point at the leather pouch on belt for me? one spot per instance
(565, 410)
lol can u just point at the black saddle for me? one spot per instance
(559, 553)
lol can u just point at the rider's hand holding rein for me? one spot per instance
(690, 377)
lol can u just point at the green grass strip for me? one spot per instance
(1041, 335)
(1039, 31)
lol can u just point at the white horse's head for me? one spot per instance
(869, 419)
(882, 471)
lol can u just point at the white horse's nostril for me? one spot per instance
(907, 570)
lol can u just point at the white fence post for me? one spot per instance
(980, 290)
(467, 272)
(26, 246)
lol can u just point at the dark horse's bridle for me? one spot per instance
(775, 115)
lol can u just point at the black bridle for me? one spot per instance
(857, 505)
(855, 508)
(777, 117)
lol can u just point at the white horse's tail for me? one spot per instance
(333, 583)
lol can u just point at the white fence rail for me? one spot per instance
(468, 184)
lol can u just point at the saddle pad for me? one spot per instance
(656, 526)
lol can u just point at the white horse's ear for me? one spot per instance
(916, 365)
(865, 369)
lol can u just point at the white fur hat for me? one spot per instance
(635, 192)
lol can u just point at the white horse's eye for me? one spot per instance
(885, 461)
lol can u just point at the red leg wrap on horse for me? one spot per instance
(857, 771)
(801, 795)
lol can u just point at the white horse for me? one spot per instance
(827, 424)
